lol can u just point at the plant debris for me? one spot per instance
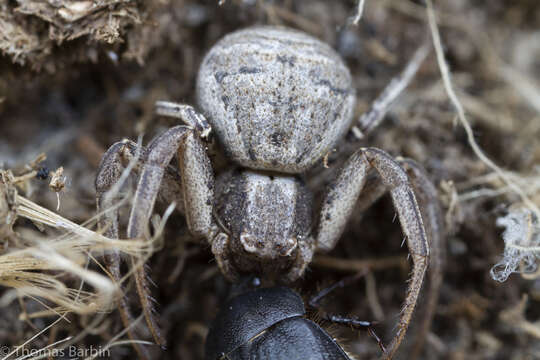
(521, 245)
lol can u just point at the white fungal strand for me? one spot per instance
(522, 244)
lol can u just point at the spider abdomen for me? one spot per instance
(278, 99)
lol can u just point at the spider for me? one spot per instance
(277, 101)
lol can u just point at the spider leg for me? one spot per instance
(339, 204)
(110, 170)
(114, 162)
(197, 188)
(187, 114)
(426, 195)
(372, 191)
(380, 106)
(157, 179)
(197, 180)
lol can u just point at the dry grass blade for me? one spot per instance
(37, 271)
(17, 348)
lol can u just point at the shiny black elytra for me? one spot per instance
(269, 323)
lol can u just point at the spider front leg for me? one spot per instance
(428, 203)
(109, 174)
(198, 184)
(197, 181)
(194, 194)
(339, 204)
(115, 161)
(109, 183)
(197, 189)
(426, 195)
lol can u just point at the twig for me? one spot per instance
(359, 11)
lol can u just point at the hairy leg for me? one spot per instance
(194, 195)
(339, 204)
(197, 190)
(109, 173)
(426, 194)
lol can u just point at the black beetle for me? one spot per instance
(269, 323)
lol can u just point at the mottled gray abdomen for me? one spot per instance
(278, 99)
